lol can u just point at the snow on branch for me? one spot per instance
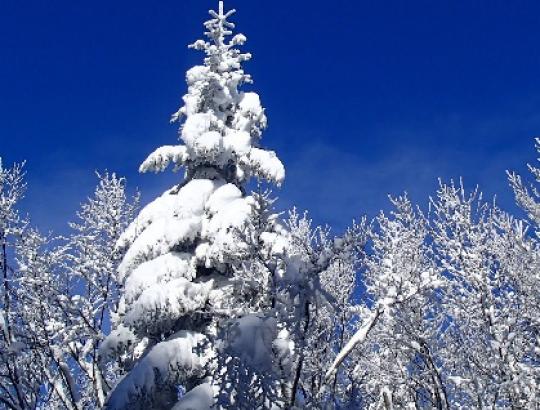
(266, 165)
(162, 157)
(168, 363)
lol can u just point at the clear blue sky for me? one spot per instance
(364, 98)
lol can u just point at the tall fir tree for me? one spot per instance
(185, 271)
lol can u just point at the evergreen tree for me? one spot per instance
(190, 254)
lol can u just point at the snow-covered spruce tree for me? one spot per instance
(185, 263)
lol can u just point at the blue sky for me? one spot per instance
(364, 98)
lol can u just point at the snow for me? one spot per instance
(191, 104)
(283, 348)
(251, 338)
(358, 338)
(167, 362)
(209, 147)
(195, 126)
(156, 209)
(211, 209)
(192, 197)
(266, 165)
(188, 202)
(231, 215)
(162, 157)
(200, 397)
(159, 307)
(238, 142)
(221, 230)
(238, 39)
(166, 267)
(118, 340)
(3, 325)
(196, 73)
(251, 103)
(220, 296)
(161, 237)
(292, 273)
(222, 197)
(276, 243)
